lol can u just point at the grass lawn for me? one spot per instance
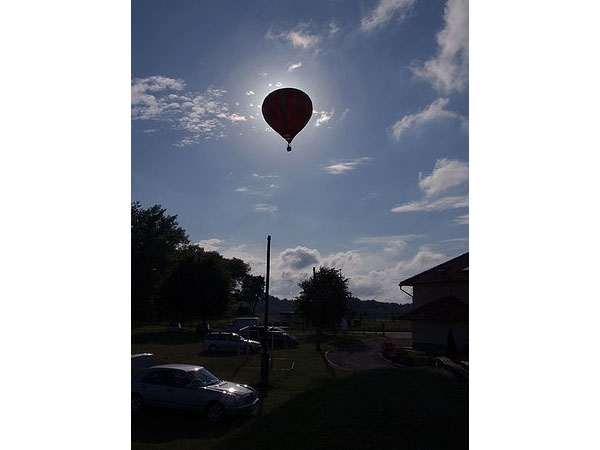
(385, 409)
(313, 406)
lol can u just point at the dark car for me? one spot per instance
(203, 329)
(276, 337)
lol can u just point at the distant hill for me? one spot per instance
(372, 308)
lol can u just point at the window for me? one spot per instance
(178, 379)
(158, 377)
(203, 377)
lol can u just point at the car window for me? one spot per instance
(203, 377)
(177, 378)
(159, 377)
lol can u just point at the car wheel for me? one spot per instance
(216, 411)
(137, 403)
(212, 349)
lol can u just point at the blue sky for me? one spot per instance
(376, 183)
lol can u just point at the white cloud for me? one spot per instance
(384, 12)
(146, 100)
(446, 175)
(371, 274)
(435, 111)
(242, 189)
(263, 74)
(265, 176)
(236, 118)
(323, 117)
(449, 70)
(347, 166)
(374, 277)
(345, 113)
(209, 245)
(383, 240)
(298, 258)
(462, 220)
(294, 66)
(433, 205)
(250, 93)
(394, 248)
(333, 28)
(200, 115)
(298, 37)
(265, 207)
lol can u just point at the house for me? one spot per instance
(440, 315)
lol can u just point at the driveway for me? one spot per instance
(364, 355)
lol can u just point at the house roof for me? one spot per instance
(456, 269)
(446, 308)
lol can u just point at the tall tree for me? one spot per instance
(200, 285)
(324, 299)
(253, 291)
(238, 270)
(155, 238)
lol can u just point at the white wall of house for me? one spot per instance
(427, 293)
(432, 335)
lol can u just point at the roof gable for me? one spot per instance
(456, 269)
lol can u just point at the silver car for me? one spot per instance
(229, 342)
(185, 386)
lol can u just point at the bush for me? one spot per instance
(403, 356)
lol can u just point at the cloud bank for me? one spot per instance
(448, 71)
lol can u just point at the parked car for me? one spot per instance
(203, 329)
(276, 337)
(241, 322)
(229, 342)
(185, 386)
(174, 327)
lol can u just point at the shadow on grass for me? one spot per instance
(383, 409)
(154, 425)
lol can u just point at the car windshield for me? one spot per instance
(204, 377)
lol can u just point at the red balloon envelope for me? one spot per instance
(287, 111)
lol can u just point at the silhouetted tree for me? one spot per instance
(200, 285)
(238, 270)
(155, 237)
(253, 291)
(324, 299)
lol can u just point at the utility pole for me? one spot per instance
(318, 312)
(264, 362)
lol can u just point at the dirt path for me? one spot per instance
(365, 355)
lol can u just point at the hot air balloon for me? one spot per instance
(287, 111)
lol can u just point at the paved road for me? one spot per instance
(364, 355)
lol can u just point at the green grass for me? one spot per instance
(314, 406)
(384, 409)
(158, 429)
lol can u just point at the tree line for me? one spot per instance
(174, 279)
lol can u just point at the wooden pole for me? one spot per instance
(264, 366)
